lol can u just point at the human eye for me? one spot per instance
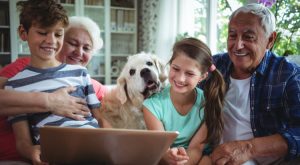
(87, 48)
(58, 35)
(72, 43)
(42, 33)
(189, 74)
(231, 36)
(174, 68)
(249, 37)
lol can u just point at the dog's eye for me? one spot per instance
(132, 72)
(149, 63)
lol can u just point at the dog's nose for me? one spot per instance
(145, 72)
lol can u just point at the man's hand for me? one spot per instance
(232, 153)
(63, 104)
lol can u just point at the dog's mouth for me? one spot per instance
(151, 87)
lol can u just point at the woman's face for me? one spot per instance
(77, 47)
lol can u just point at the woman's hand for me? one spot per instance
(62, 103)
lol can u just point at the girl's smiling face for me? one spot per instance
(184, 73)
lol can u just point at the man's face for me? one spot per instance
(246, 43)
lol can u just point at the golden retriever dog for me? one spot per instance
(142, 75)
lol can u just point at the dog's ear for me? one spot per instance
(121, 91)
(161, 67)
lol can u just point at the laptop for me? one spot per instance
(62, 145)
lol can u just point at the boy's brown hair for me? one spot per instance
(45, 13)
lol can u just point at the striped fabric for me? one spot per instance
(49, 80)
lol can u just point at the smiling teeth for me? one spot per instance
(75, 59)
(178, 84)
(240, 54)
(49, 49)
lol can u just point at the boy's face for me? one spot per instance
(44, 43)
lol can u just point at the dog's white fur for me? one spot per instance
(142, 75)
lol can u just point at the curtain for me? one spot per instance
(158, 27)
(147, 24)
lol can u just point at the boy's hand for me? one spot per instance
(35, 156)
(62, 104)
(176, 156)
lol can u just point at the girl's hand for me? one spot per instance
(36, 156)
(176, 156)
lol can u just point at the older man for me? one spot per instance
(262, 103)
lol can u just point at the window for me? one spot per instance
(211, 19)
(200, 20)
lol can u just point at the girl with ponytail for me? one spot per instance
(196, 114)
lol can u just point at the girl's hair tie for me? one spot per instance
(212, 68)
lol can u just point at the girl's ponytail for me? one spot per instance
(214, 92)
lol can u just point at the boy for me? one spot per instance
(42, 25)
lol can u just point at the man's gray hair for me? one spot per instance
(266, 16)
(91, 27)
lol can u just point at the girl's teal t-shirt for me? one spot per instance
(161, 106)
